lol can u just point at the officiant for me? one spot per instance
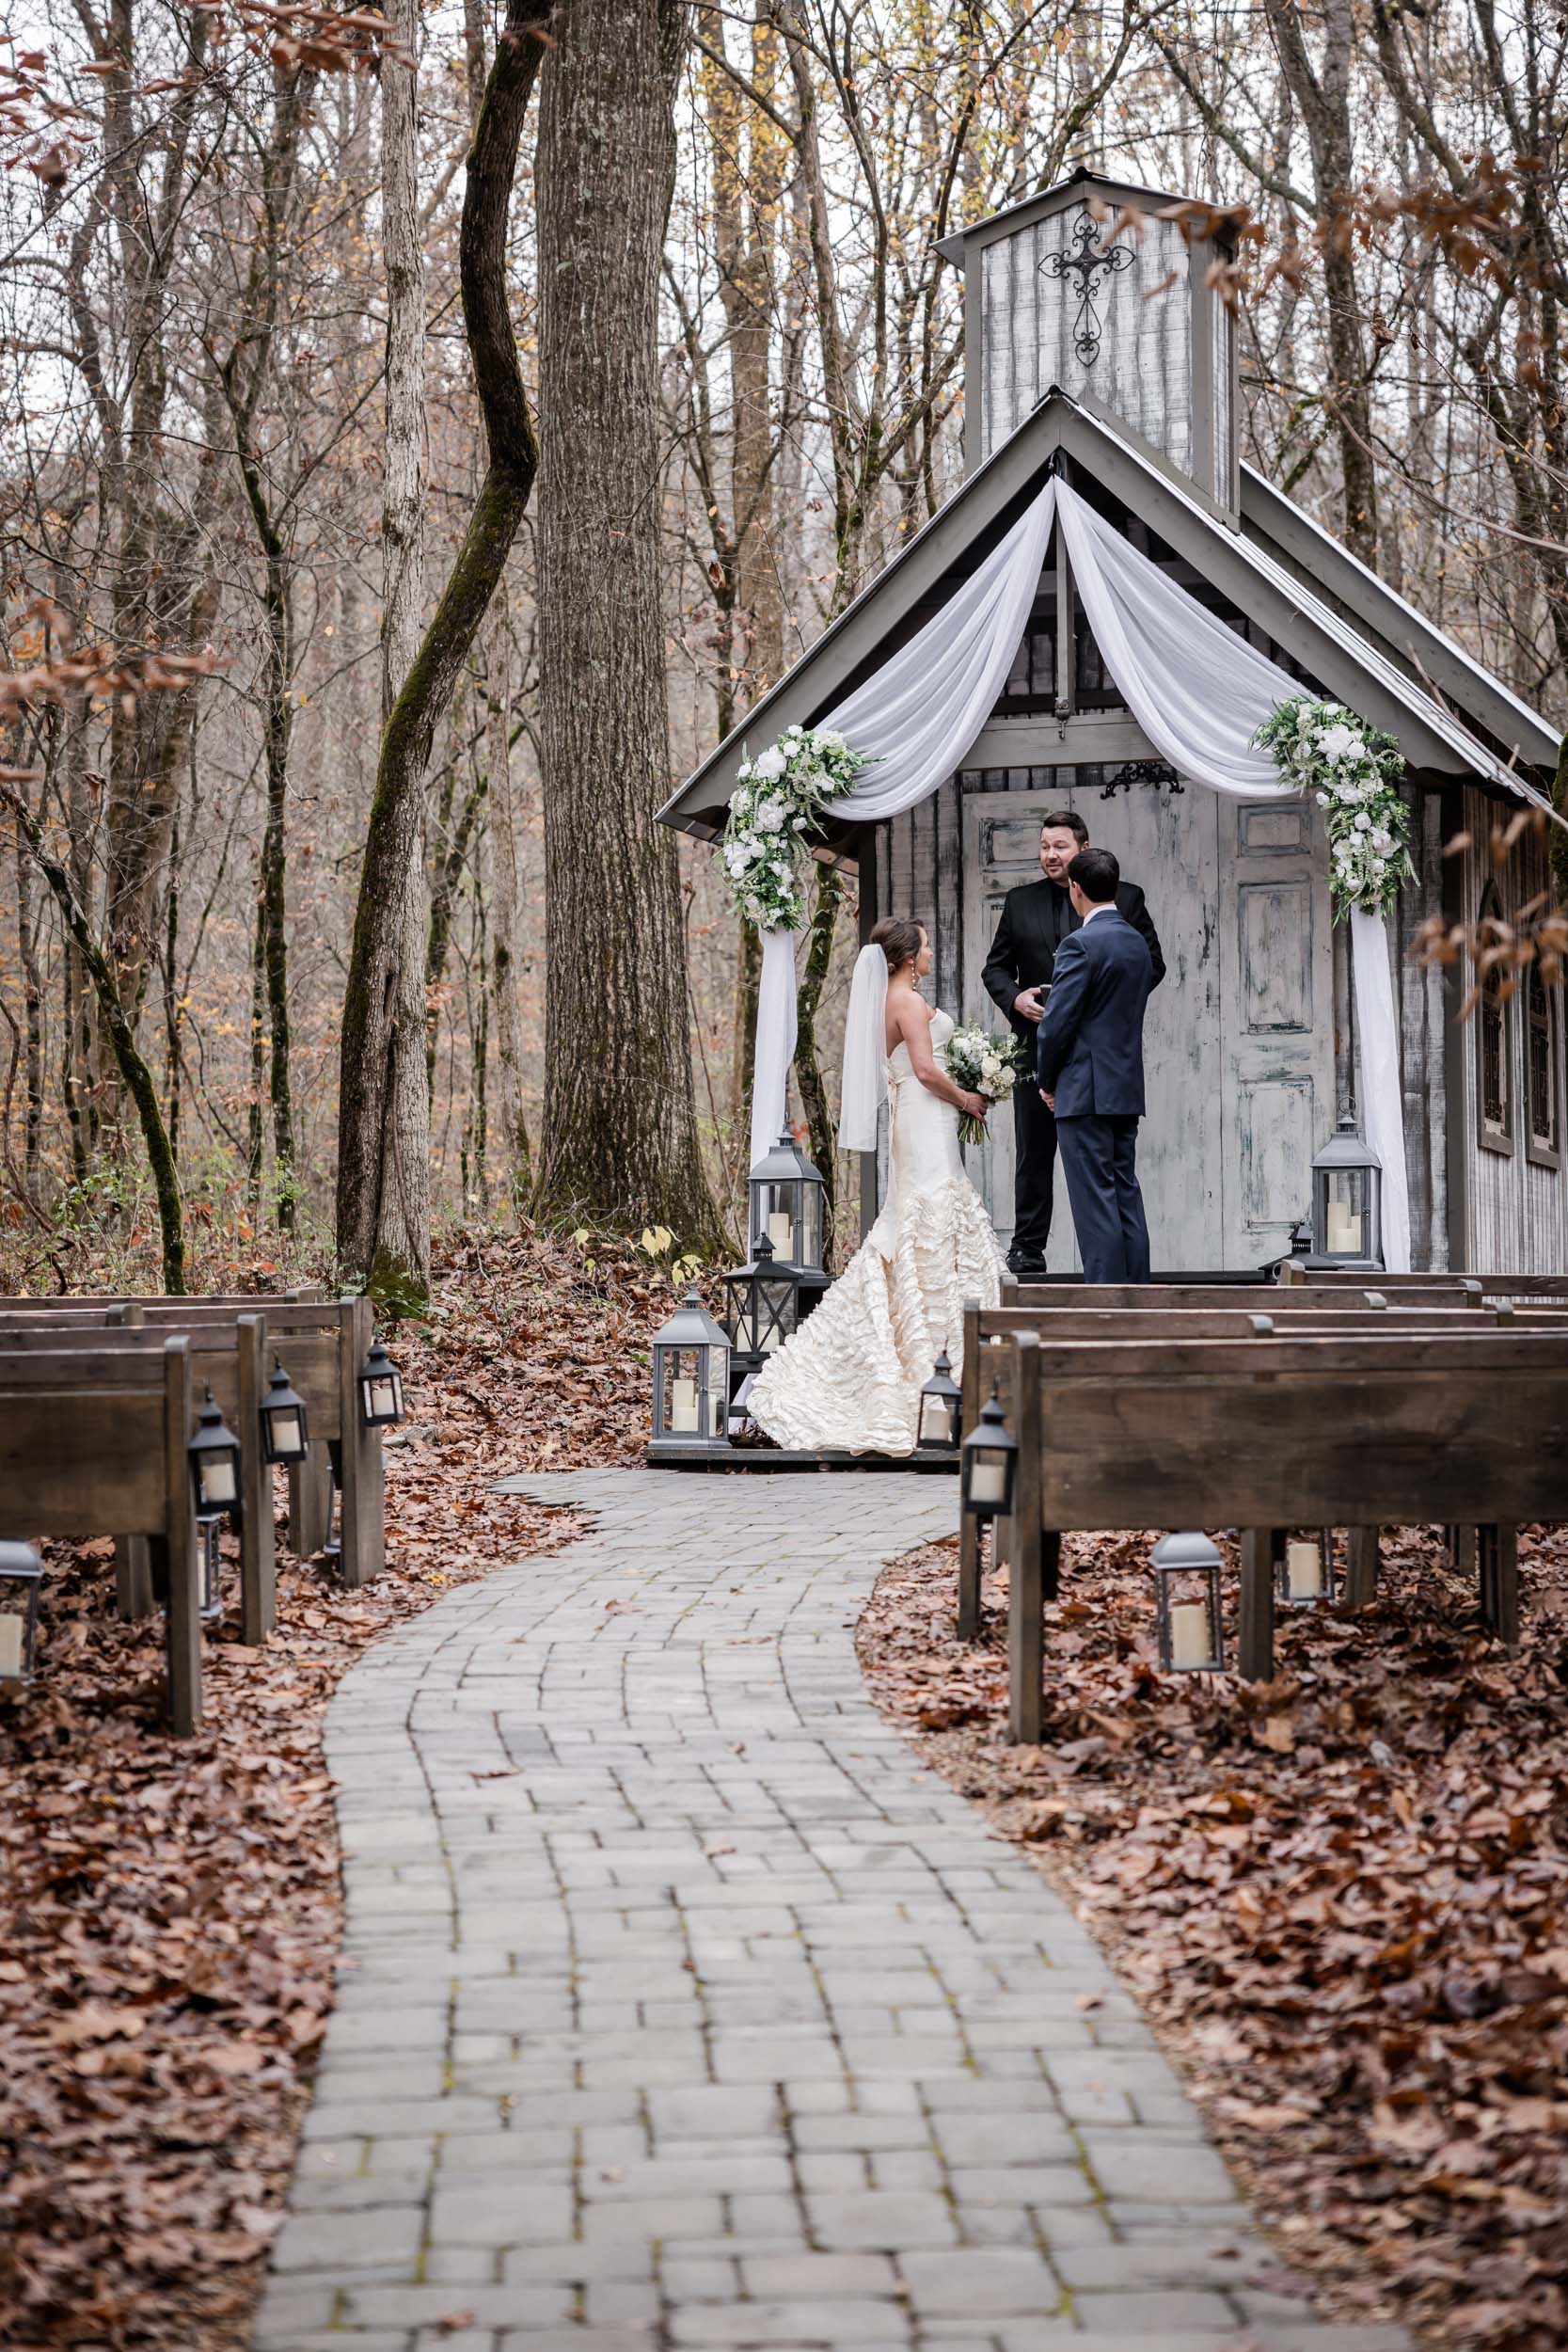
(1035, 918)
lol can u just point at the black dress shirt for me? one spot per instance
(1035, 918)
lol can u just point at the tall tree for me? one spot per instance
(620, 1133)
(384, 1102)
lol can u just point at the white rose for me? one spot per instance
(744, 769)
(1363, 822)
(771, 817)
(770, 764)
(830, 739)
(1338, 743)
(990, 1065)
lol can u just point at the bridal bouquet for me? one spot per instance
(985, 1065)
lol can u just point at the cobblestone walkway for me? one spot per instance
(687, 2011)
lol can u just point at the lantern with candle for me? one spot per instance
(285, 1423)
(1304, 1571)
(1347, 1203)
(786, 1194)
(989, 1461)
(691, 1377)
(380, 1390)
(763, 1301)
(214, 1458)
(21, 1576)
(209, 1558)
(1189, 1616)
(940, 1410)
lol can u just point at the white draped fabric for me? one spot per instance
(1199, 691)
(914, 720)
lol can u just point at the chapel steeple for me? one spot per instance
(1131, 322)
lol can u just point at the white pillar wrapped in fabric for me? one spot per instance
(1196, 687)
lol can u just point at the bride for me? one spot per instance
(850, 1378)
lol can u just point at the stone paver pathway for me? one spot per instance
(687, 2013)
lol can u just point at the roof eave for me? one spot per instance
(1318, 559)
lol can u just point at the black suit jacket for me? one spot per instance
(1035, 918)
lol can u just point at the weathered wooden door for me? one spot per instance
(1238, 1049)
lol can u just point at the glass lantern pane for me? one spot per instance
(811, 1237)
(285, 1431)
(781, 1219)
(717, 1390)
(987, 1475)
(936, 1420)
(13, 1644)
(218, 1483)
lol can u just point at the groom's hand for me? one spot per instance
(1049, 1100)
(1027, 1002)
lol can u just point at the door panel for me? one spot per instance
(1277, 983)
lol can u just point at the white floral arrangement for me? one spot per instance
(982, 1064)
(1353, 772)
(776, 809)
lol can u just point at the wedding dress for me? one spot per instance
(850, 1378)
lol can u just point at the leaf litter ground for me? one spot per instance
(1341, 1899)
(170, 1909)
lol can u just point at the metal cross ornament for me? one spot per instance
(1077, 260)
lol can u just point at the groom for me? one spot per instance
(1091, 1071)
(1035, 918)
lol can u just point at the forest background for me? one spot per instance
(371, 891)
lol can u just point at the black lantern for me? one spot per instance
(21, 1574)
(940, 1410)
(990, 1460)
(285, 1425)
(1187, 1603)
(691, 1377)
(764, 1303)
(1347, 1203)
(380, 1390)
(1304, 1571)
(209, 1556)
(214, 1456)
(787, 1196)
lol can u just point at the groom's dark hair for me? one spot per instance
(1068, 817)
(1097, 874)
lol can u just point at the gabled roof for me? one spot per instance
(1082, 180)
(1355, 661)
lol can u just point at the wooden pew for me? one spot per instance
(1219, 1317)
(1543, 1288)
(1458, 1290)
(229, 1356)
(93, 1441)
(1356, 1430)
(322, 1343)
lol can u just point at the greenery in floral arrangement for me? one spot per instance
(1354, 771)
(776, 809)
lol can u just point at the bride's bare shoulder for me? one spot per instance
(908, 1016)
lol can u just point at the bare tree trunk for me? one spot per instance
(504, 877)
(32, 1001)
(619, 1136)
(134, 1072)
(384, 1098)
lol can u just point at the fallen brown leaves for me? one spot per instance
(1342, 1898)
(170, 1910)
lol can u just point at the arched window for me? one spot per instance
(1493, 1041)
(1543, 1084)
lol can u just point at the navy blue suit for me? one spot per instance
(1089, 1054)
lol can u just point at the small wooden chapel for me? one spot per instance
(1109, 361)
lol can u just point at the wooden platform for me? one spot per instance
(716, 1456)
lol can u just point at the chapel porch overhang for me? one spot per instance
(1349, 645)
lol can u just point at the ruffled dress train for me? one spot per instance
(850, 1378)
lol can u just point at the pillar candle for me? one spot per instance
(1344, 1230)
(1304, 1567)
(10, 1646)
(1190, 1644)
(683, 1409)
(781, 1233)
(988, 1482)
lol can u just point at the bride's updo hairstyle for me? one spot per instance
(898, 939)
